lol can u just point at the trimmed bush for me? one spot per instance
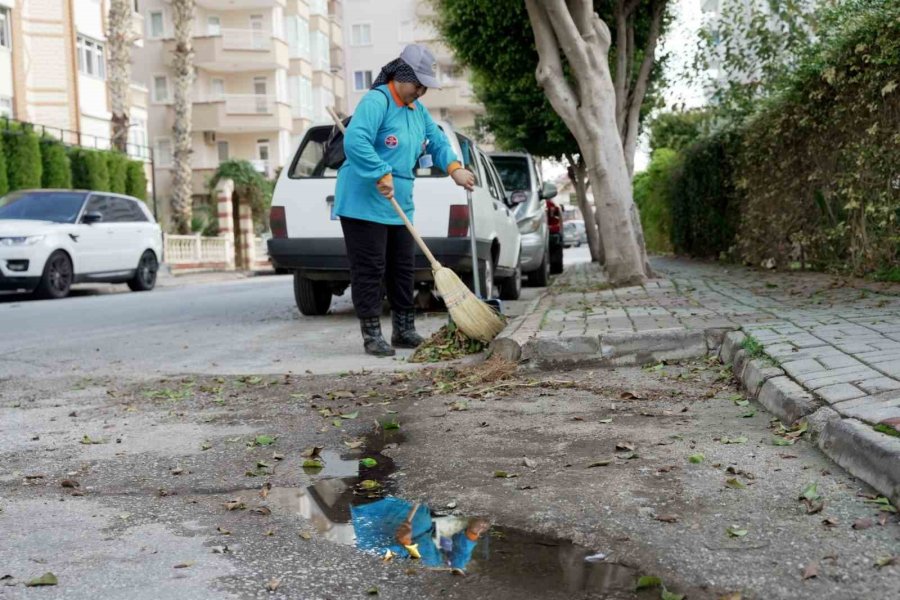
(4, 183)
(136, 180)
(23, 158)
(705, 210)
(117, 165)
(89, 170)
(652, 194)
(56, 169)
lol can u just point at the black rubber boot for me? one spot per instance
(373, 341)
(404, 334)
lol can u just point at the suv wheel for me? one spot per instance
(57, 278)
(511, 287)
(541, 277)
(313, 297)
(144, 278)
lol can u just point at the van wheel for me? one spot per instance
(144, 278)
(313, 297)
(57, 278)
(511, 287)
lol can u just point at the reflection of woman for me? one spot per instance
(381, 526)
(390, 131)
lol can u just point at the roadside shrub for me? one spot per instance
(4, 183)
(678, 129)
(136, 180)
(249, 185)
(652, 194)
(89, 170)
(704, 208)
(117, 166)
(23, 158)
(56, 169)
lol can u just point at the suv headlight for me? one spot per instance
(21, 241)
(530, 225)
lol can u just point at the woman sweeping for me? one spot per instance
(390, 134)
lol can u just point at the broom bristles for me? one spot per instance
(473, 317)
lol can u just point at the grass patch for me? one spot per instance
(886, 429)
(447, 343)
(753, 348)
(891, 274)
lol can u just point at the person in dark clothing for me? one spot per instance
(383, 143)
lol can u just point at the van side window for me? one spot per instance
(308, 161)
(492, 186)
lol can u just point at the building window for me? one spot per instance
(137, 138)
(362, 80)
(321, 53)
(298, 37)
(306, 96)
(5, 35)
(157, 25)
(223, 151)
(361, 34)
(160, 88)
(6, 106)
(163, 152)
(213, 25)
(91, 60)
(318, 7)
(217, 88)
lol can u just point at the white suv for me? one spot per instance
(50, 239)
(307, 237)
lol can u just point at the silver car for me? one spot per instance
(524, 191)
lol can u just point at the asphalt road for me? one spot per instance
(244, 326)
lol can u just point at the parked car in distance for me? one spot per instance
(574, 234)
(51, 239)
(524, 190)
(307, 238)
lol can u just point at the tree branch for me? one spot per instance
(621, 81)
(549, 72)
(570, 41)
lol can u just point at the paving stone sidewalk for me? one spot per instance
(821, 347)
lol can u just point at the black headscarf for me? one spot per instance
(396, 70)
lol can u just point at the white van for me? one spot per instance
(307, 238)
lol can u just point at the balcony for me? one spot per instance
(236, 50)
(137, 28)
(239, 4)
(454, 95)
(239, 113)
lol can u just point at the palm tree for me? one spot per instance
(119, 39)
(183, 64)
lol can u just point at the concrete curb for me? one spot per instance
(865, 453)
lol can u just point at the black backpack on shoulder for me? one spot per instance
(333, 155)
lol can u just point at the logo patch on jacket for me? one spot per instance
(391, 141)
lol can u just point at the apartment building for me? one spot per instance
(266, 69)
(53, 70)
(377, 30)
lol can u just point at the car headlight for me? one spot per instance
(530, 225)
(21, 240)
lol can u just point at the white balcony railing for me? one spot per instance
(193, 251)
(248, 104)
(261, 166)
(246, 39)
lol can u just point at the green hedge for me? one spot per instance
(653, 196)
(89, 170)
(23, 158)
(4, 182)
(810, 178)
(136, 180)
(56, 168)
(117, 165)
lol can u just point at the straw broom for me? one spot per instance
(473, 317)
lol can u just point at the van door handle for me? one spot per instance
(329, 199)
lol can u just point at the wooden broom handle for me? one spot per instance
(435, 265)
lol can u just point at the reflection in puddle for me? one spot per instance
(344, 509)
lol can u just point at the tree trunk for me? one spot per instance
(119, 39)
(578, 176)
(183, 65)
(589, 111)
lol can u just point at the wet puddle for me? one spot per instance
(351, 503)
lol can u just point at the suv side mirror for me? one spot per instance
(548, 191)
(90, 218)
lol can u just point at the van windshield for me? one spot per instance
(513, 172)
(308, 160)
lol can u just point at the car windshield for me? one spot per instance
(513, 172)
(57, 207)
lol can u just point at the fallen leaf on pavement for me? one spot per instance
(630, 396)
(605, 421)
(369, 484)
(735, 531)
(350, 415)
(305, 535)
(811, 570)
(732, 596)
(273, 584)
(741, 439)
(69, 483)
(261, 510)
(235, 505)
(45, 579)
(648, 581)
(368, 462)
(667, 518)
(667, 595)
(696, 458)
(223, 531)
(814, 506)
(354, 444)
(600, 463)
(829, 522)
(578, 418)
(782, 442)
(625, 446)
(177, 471)
(886, 561)
(264, 440)
(734, 483)
(810, 492)
(527, 462)
(313, 463)
(372, 591)
(862, 524)
(504, 474)
(313, 451)
(184, 565)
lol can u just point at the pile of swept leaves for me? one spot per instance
(447, 343)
